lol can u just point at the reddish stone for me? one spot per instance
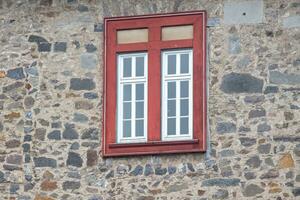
(92, 158)
(48, 185)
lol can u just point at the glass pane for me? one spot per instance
(171, 90)
(171, 64)
(177, 32)
(127, 110)
(127, 93)
(139, 91)
(184, 63)
(139, 110)
(171, 126)
(171, 108)
(132, 36)
(184, 107)
(139, 127)
(184, 89)
(127, 67)
(139, 71)
(126, 128)
(184, 125)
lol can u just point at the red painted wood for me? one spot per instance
(154, 46)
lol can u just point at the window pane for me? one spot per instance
(184, 63)
(184, 107)
(139, 127)
(171, 90)
(139, 110)
(126, 128)
(127, 110)
(127, 93)
(171, 108)
(127, 67)
(184, 125)
(171, 64)
(184, 89)
(139, 91)
(139, 71)
(171, 126)
(132, 36)
(177, 32)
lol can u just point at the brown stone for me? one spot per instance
(12, 143)
(275, 190)
(2, 74)
(155, 191)
(39, 197)
(12, 115)
(201, 192)
(286, 161)
(92, 158)
(48, 185)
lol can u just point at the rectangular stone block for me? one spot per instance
(291, 22)
(243, 12)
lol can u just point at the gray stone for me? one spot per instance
(263, 127)
(79, 117)
(253, 162)
(227, 153)
(88, 61)
(90, 133)
(44, 162)
(92, 158)
(90, 48)
(70, 133)
(289, 175)
(82, 84)
(243, 12)
(277, 77)
(297, 178)
(12, 86)
(98, 27)
(14, 143)
(14, 159)
(234, 46)
(252, 190)
(148, 170)
(27, 138)
(226, 127)
(244, 129)
(1, 127)
(286, 139)
(82, 8)
(2, 177)
(26, 147)
(71, 185)
(138, 170)
(213, 21)
(257, 113)
(269, 161)
(160, 171)
(272, 173)
(241, 83)
(243, 62)
(220, 194)
(14, 188)
(171, 170)
(264, 148)
(44, 47)
(16, 73)
(11, 167)
(296, 191)
(29, 102)
(271, 89)
(56, 125)
(176, 188)
(221, 182)
(226, 171)
(37, 39)
(74, 159)
(83, 105)
(247, 142)
(291, 21)
(90, 95)
(75, 146)
(297, 150)
(60, 47)
(40, 134)
(190, 167)
(54, 135)
(250, 175)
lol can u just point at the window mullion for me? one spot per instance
(177, 96)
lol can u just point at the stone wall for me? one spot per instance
(51, 104)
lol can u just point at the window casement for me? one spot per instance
(154, 84)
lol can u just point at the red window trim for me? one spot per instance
(154, 46)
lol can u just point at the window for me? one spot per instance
(154, 84)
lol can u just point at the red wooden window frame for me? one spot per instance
(153, 47)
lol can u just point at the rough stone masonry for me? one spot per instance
(51, 104)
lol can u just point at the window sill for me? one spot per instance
(153, 143)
